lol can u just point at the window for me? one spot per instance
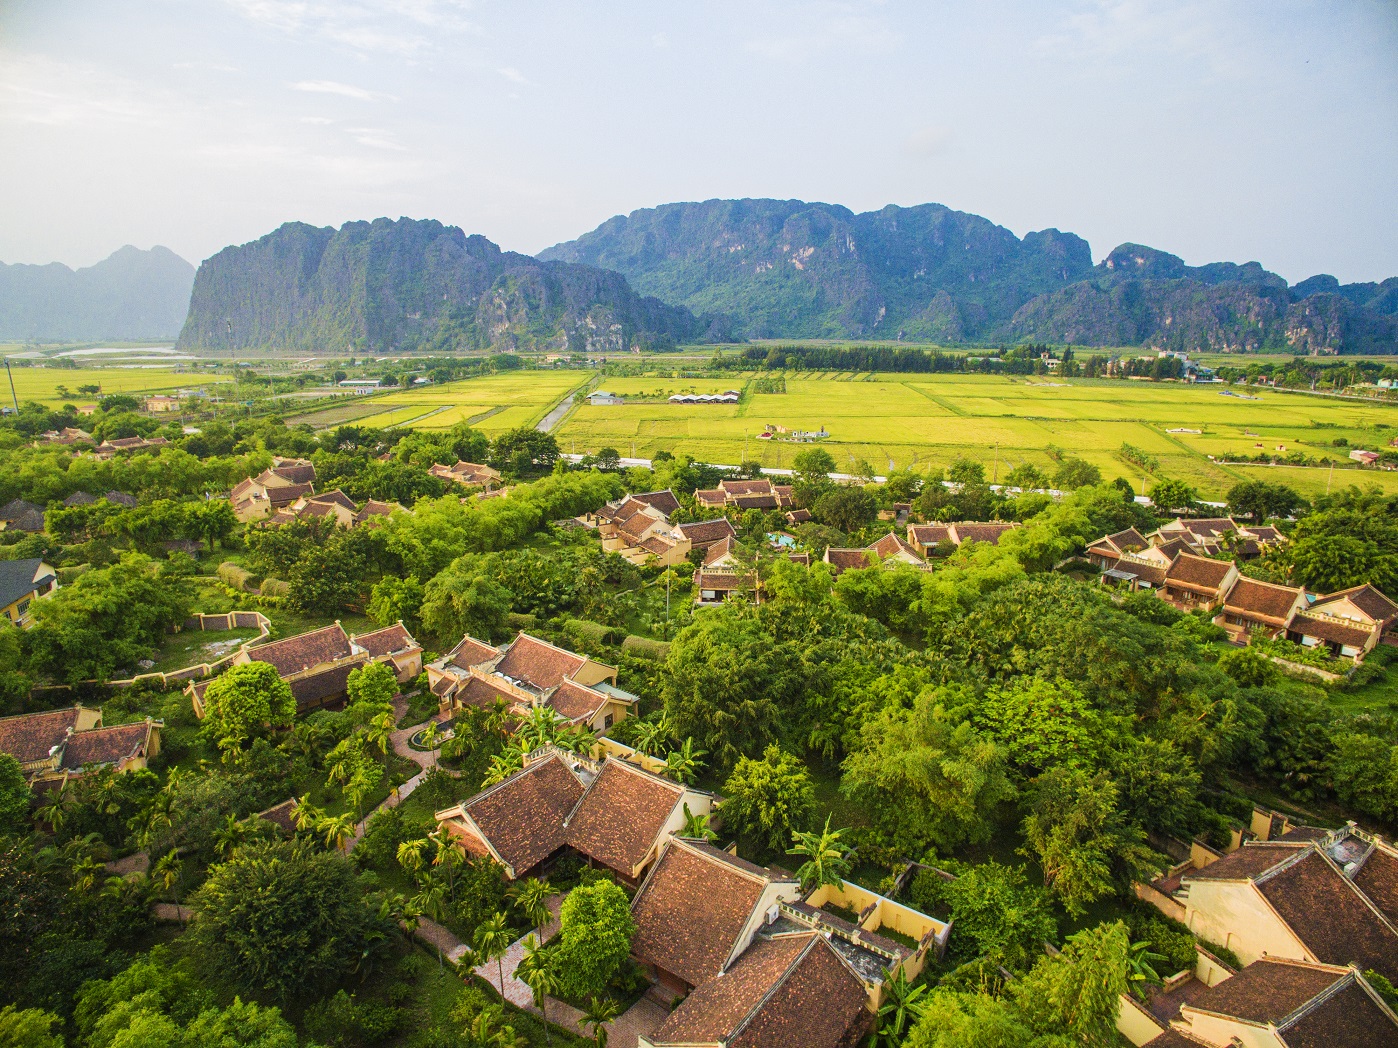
(608, 722)
(22, 609)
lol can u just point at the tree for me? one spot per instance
(536, 971)
(213, 520)
(245, 701)
(1074, 473)
(29, 1028)
(594, 937)
(768, 798)
(597, 1015)
(15, 796)
(1027, 476)
(1364, 771)
(827, 858)
(1081, 840)
(847, 508)
(1259, 501)
(1078, 992)
(902, 1005)
(1173, 496)
(396, 599)
(283, 919)
(965, 471)
(998, 914)
(531, 898)
(492, 941)
(683, 764)
(462, 600)
(650, 735)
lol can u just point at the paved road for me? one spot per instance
(553, 417)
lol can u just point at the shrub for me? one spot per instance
(594, 938)
(655, 650)
(272, 587)
(231, 574)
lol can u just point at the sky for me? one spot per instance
(1218, 130)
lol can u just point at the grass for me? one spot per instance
(924, 421)
(41, 383)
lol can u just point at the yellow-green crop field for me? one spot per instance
(42, 384)
(925, 421)
(497, 402)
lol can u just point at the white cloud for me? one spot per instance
(513, 75)
(316, 120)
(35, 89)
(384, 26)
(334, 87)
(660, 40)
(375, 138)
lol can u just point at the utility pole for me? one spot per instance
(995, 476)
(11, 374)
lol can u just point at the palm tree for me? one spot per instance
(598, 1014)
(650, 735)
(430, 902)
(827, 860)
(497, 718)
(540, 727)
(430, 735)
(537, 973)
(1140, 967)
(683, 764)
(379, 731)
(446, 855)
(410, 855)
(902, 1007)
(228, 836)
(306, 815)
(503, 765)
(492, 941)
(55, 812)
(337, 829)
(696, 827)
(531, 898)
(167, 872)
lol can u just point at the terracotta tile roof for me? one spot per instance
(634, 526)
(972, 531)
(714, 1010)
(1331, 630)
(710, 496)
(1378, 879)
(1266, 990)
(304, 650)
(664, 501)
(30, 736)
(719, 550)
(1263, 600)
(1152, 573)
(798, 516)
(522, 817)
(620, 817)
(804, 559)
(929, 534)
(1174, 547)
(471, 652)
(295, 471)
(746, 487)
(316, 509)
(286, 495)
(281, 815)
(388, 641)
(1198, 572)
(1348, 1018)
(1367, 599)
(1249, 861)
(891, 546)
(819, 1004)
(1330, 916)
(538, 662)
(1264, 533)
(657, 545)
(316, 689)
(373, 508)
(756, 501)
(845, 559)
(721, 582)
(573, 701)
(1125, 540)
(338, 497)
(706, 532)
(1210, 527)
(1304, 833)
(692, 909)
(475, 691)
(1174, 1039)
(105, 745)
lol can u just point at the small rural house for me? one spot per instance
(703, 534)
(1197, 582)
(54, 746)
(286, 481)
(22, 582)
(638, 528)
(469, 474)
(925, 538)
(745, 495)
(1252, 607)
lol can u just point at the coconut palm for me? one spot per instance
(445, 855)
(492, 940)
(55, 812)
(430, 901)
(228, 836)
(431, 736)
(411, 855)
(379, 731)
(503, 765)
(540, 727)
(536, 972)
(696, 827)
(683, 764)
(336, 829)
(597, 1015)
(306, 815)
(167, 871)
(531, 898)
(827, 859)
(497, 718)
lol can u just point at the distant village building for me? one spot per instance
(602, 398)
(468, 474)
(161, 403)
(745, 495)
(638, 528)
(57, 745)
(273, 489)
(729, 397)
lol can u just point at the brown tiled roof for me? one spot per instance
(572, 701)
(1330, 916)
(1198, 572)
(373, 508)
(1124, 540)
(714, 1010)
(1264, 533)
(1304, 833)
(1378, 879)
(1367, 599)
(756, 501)
(281, 815)
(471, 652)
(304, 650)
(1332, 630)
(746, 487)
(619, 818)
(317, 509)
(1174, 1039)
(724, 582)
(1251, 860)
(634, 526)
(891, 545)
(1263, 600)
(798, 516)
(820, 1004)
(285, 496)
(664, 501)
(706, 532)
(710, 496)
(1266, 990)
(692, 909)
(1152, 573)
(30, 736)
(928, 534)
(971, 531)
(522, 817)
(1174, 547)
(1348, 1018)
(844, 559)
(538, 662)
(387, 641)
(315, 689)
(476, 691)
(105, 745)
(657, 545)
(338, 497)
(1211, 527)
(719, 550)
(295, 472)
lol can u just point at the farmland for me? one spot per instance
(924, 421)
(42, 384)
(497, 402)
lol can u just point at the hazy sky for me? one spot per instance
(1217, 130)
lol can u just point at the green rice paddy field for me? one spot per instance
(496, 402)
(924, 421)
(42, 384)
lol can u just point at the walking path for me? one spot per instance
(426, 760)
(552, 418)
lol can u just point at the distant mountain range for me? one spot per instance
(404, 285)
(130, 295)
(790, 269)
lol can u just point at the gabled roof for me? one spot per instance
(1146, 572)
(1124, 540)
(374, 508)
(720, 549)
(798, 516)
(891, 546)
(574, 702)
(388, 641)
(30, 520)
(619, 819)
(929, 534)
(845, 559)
(1205, 527)
(481, 693)
(693, 908)
(1264, 533)
(292, 471)
(295, 654)
(1367, 599)
(721, 581)
(1174, 547)
(338, 497)
(1251, 860)
(16, 508)
(522, 816)
(1346, 1017)
(746, 487)
(471, 652)
(288, 493)
(1378, 879)
(1198, 572)
(30, 736)
(106, 745)
(1333, 631)
(783, 991)
(1264, 600)
(664, 501)
(977, 531)
(703, 532)
(757, 501)
(19, 578)
(1268, 990)
(538, 662)
(315, 688)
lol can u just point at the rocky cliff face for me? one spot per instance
(130, 295)
(785, 268)
(383, 286)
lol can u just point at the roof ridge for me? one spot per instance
(516, 775)
(1358, 891)
(1306, 1007)
(1282, 865)
(703, 853)
(777, 984)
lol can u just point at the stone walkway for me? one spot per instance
(426, 760)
